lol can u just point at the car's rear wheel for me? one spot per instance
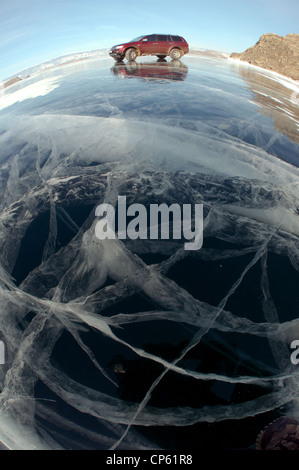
(175, 54)
(161, 56)
(131, 54)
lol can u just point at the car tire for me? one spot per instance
(175, 54)
(161, 56)
(131, 54)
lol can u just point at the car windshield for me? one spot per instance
(136, 39)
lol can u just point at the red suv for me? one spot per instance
(161, 45)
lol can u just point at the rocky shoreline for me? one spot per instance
(273, 52)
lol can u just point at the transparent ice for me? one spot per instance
(209, 140)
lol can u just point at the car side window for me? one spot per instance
(162, 37)
(151, 37)
(176, 38)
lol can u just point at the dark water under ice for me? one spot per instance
(141, 344)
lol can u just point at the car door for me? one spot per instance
(147, 44)
(163, 44)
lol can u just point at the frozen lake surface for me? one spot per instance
(141, 344)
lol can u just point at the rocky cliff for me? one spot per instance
(274, 52)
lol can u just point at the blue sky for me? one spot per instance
(33, 31)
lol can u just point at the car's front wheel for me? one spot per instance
(175, 54)
(131, 54)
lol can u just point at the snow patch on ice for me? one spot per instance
(34, 90)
